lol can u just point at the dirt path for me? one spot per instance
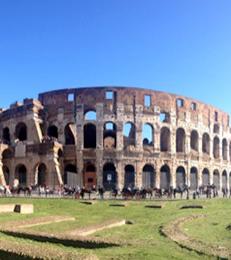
(175, 233)
(92, 229)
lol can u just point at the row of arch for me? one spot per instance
(110, 177)
(129, 132)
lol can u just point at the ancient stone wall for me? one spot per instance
(114, 137)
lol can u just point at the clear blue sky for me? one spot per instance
(179, 46)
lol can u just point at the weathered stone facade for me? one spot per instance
(114, 136)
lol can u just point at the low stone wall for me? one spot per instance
(19, 208)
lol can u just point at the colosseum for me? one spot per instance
(114, 137)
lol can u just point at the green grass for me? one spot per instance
(141, 240)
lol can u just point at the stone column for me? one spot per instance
(2, 178)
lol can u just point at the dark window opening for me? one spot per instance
(165, 144)
(216, 147)
(180, 140)
(89, 136)
(206, 143)
(129, 177)
(69, 134)
(216, 116)
(21, 132)
(194, 140)
(6, 135)
(52, 131)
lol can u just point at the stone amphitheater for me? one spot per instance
(114, 137)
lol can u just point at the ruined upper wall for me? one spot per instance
(128, 96)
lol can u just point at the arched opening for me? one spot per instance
(42, 175)
(165, 144)
(109, 176)
(206, 143)
(148, 177)
(180, 140)
(205, 177)
(90, 179)
(6, 135)
(21, 175)
(7, 154)
(224, 149)
(52, 131)
(194, 140)
(129, 133)
(216, 179)
(148, 134)
(180, 177)
(90, 115)
(224, 180)
(21, 132)
(216, 147)
(109, 135)
(129, 176)
(70, 177)
(69, 134)
(193, 178)
(165, 177)
(6, 173)
(89, 136)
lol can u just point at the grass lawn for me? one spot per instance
(141, 240)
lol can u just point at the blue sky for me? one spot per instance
(179, 46)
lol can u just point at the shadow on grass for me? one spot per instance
(87, 244)
(9, 256)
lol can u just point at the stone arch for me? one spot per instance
(90, 115)
(109, 176)
(21, 175)
(109, 135)
(6, 135)
(41, 178)
(194, 140)
(216, 178)
(180, 140)
(6, 173)
(224, 179)
(148, 134)
(165, 140)
(129, 176)
(180, 177)
(193, 178)
(21, 131)
(129, 133)
(90, 178)
(165, 177)
(89, 135)
(70, 173)
(205, 177)
(148, 177)
(69, 134)
(206, 143)
(216, 147)
(52, 131)
(224, 149)
(7, 154)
